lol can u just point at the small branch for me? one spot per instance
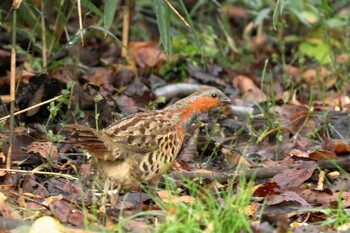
(12, 89)
(41, 173)
(177, 13)
(125, 33)
(30, 108)
(80, 23)
(43, 36)
(263, 172)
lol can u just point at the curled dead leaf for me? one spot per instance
(337, 146)
(321, 154)
(46, 150)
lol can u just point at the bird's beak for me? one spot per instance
(226, 100)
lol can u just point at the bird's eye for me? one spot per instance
(214, 95)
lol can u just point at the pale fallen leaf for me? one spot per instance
(51, 199)
(5, 209)
(3, 158)
(47, 224)
(167, 197)
(203, 171)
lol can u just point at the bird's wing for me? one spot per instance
(86, 137)
(136, 134)
(139, 133)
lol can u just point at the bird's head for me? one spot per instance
(202, 100)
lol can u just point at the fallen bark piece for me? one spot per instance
(263, 172)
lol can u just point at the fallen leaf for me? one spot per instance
(322, 154)
(321, 74)
(47, 150)
(317, 197)
(49, 200)
(295, 176)
(287, 196)
(336, 145)
(267, 189)
(147, 53)
(167, 197)
(248, 89)
(6, 210)
(47, 224)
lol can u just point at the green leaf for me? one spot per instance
(109, 13)
(188, 17)
(320, 51)
(277, 12)
(263, 14)
(163, 19)
(299, 16)
(92, 7)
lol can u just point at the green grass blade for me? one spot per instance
(163, 19)
(109, 13)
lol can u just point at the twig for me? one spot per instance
(80, 23)
(125, 32)
(43, 36)
(31, 107)
(12, 88)
(263, 172)
(41, 173)
(177, 13)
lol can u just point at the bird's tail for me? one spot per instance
(83, 136)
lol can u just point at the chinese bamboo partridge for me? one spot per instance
(140, 147)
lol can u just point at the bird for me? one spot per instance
(139, 148)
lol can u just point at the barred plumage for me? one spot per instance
(140, 147)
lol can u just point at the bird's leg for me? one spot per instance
(114, 194)
(104, 195)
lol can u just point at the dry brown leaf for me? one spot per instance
(336, 145)
(296, 176)
(257, 42)
(6, 210)
(250, 92)
(299, 153)
(236, 12)
(136, 226)
(342, 58)
(46, 150)
(302, 121)
(292, 70)
(317, 197)
(49, 200)
(251, 209)
(167, 197)
(287, 196)
(266, 190)
(337, 100)
(203, 171)
(321, 74)
(322, 154)
(3, 158)
(147, 53)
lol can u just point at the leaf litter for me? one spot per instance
(281, 138)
